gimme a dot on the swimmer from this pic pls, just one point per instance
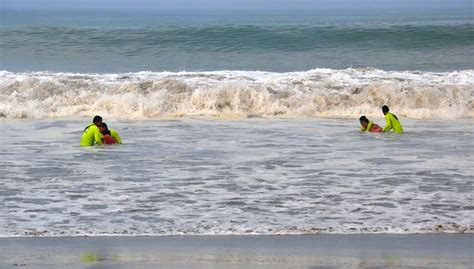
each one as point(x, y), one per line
point(111, 133)
point(107, 138)
point(369, 126)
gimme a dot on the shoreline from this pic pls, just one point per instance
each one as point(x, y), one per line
point(241, 251)
point(128, 235)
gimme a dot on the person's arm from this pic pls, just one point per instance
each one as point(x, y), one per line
point(369, 126)
point(98, 137)
point(116, 136)
point(388, 125)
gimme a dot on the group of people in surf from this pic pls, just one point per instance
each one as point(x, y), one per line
point(97, 133)
point(392, 123)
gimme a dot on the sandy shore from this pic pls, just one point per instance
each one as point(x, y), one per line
point(305, 251)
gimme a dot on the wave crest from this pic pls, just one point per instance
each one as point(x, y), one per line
point(314, 93)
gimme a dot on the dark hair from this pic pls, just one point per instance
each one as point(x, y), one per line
point(97, 119)
point(106, 131)
point(363, 119)
point(385, 109)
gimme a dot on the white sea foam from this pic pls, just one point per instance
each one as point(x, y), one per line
point(251, 176)
point(314, 93)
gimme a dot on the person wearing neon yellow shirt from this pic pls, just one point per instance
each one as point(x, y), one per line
point(392, 121)
point(113, 134)
point(91, 135)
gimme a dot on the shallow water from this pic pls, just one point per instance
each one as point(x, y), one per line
point(252, 176)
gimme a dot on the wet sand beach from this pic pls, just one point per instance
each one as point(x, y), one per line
point(433, 251)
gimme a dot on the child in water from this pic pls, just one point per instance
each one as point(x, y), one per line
point(107, 138)
point(369, 126)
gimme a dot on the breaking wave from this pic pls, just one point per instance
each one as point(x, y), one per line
point(314, 93)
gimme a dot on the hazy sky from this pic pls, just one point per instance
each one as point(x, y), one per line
point(232, 4)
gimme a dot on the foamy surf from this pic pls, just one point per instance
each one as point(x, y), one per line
point(239, 177)
point(228, 94)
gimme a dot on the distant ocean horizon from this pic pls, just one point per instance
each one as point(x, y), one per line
point(203, 40)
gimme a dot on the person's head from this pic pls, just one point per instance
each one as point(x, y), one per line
point(97, 120)
point(364, 121)
point(385, 109)
point(103, 128)
point(106, 132)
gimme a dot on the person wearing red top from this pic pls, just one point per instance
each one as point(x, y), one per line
point(369, 126)
point(107, 138)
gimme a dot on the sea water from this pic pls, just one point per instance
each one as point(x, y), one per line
point(282, 41)
point(252, 176)
point(235, 122)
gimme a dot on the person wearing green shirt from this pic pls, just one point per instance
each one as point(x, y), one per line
point(114, 134)
point(392, 121)
point(91, 135)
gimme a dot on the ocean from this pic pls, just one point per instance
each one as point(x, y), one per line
point(247, 176)
point(236, 122)
point(278, 41)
